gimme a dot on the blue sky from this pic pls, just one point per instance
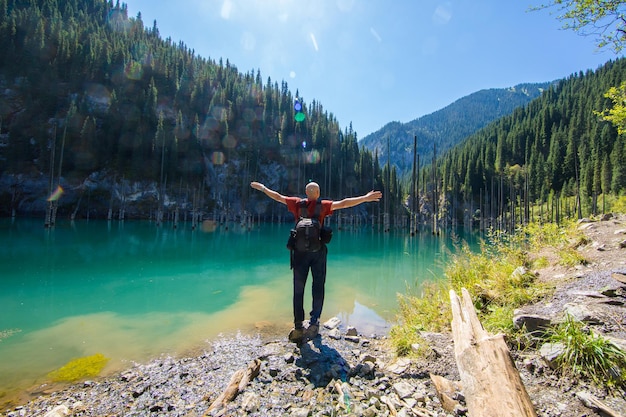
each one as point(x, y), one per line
point(371, 62)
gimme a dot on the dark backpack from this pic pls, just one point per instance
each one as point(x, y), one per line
point(306, 235)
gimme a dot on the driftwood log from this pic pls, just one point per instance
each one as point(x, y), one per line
point(237, 383)
point(491, 384)
point(446, 391)
point(594, 403)
point(618, 276)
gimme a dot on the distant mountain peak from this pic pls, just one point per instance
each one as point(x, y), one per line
point(448, 126)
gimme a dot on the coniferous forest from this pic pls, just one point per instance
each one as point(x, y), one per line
point(98, 104)
point(92, 95)
point(554, 157)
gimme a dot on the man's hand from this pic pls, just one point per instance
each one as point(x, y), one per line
point(370, 197)
point(270, 193)
point(373, 196)
point(257, 185)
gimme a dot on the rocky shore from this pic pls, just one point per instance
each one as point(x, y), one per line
point(337, 373)
point(344, 373)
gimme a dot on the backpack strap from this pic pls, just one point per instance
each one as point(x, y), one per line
point(304, 211)
point(318, 209)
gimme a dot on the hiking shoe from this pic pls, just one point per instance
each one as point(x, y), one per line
point(295, 335)
point(312, 331)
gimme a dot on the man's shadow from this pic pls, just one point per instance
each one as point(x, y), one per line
point(322, 362)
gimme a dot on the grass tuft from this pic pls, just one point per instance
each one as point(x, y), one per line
point(499, 280)
point(498, 276)
point(589, 355)
point(619, 205)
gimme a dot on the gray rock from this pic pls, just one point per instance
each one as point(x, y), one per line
point(533, 323)
point(550, 352)
point(588, 294)
point(366, 370)
point(300, 412)
point(371, 411)
point(250, 402)
point(403, 389)
point(59, 411)
point(399, 366)
point(334, 334)
point(619, 342)
point(420, 395)
point(410, 402)
point(332, 323)
point(582, 313)
point(404, 413)
point(366, 357)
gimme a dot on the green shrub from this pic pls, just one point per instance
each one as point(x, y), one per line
point(429, 311)
point(619, 206)
point(571, 257)
point(403, 338)
point(497, 277)
point(588, 355)
point(499, 320)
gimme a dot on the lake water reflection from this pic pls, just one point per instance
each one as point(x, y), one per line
point(132, 291)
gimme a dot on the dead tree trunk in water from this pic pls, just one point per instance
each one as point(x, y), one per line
point(48, 219)
point(435, 196)
point(415, 205)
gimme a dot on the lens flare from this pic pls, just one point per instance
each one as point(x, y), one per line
point(313, 157)
point(133, 70)
point(229, 142)
point(209, 226)
point(218, 158)
point(56, 194)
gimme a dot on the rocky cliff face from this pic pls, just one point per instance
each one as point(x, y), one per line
point(105, 193)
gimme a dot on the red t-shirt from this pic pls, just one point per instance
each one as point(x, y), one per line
point(293, 205)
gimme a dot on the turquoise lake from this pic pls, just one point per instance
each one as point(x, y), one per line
point(133, 291)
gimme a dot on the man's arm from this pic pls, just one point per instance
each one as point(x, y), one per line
point(355, 201)
point(270, 193)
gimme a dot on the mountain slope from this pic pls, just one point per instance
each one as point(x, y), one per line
point(448, 126)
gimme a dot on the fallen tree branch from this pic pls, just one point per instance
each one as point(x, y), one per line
point(237, 384)
point(592, 402)
point(446, 390)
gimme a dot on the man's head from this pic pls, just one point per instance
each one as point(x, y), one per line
point(312, 191)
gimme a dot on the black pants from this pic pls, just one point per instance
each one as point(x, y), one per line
point(302, 262)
